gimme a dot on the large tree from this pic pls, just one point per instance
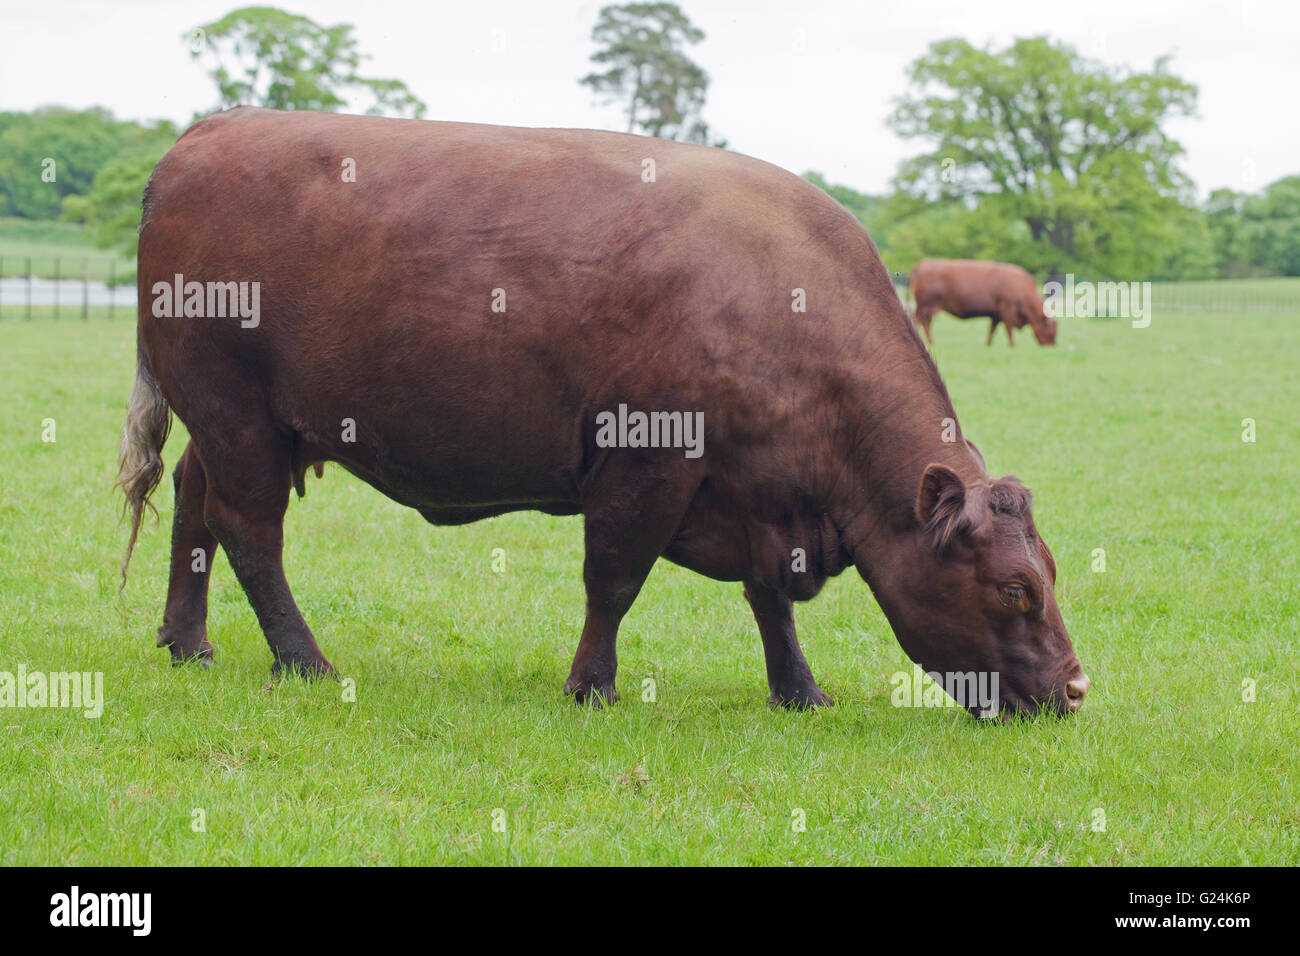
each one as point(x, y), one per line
point(263, 56)
point(1075, 150)
point(259, 56)
point(641, 49)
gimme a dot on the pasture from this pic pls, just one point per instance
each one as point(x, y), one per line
point(459, 747)
point(57, 249)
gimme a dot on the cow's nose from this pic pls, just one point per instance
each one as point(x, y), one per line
point(1076, 690)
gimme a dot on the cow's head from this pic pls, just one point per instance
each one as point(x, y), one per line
point(973, 591)
point(1044, 326)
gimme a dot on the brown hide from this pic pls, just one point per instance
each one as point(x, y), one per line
point(456, 326)
point(972, 288)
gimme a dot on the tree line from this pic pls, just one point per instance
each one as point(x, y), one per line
point(1040, 156)
point(1032, 153)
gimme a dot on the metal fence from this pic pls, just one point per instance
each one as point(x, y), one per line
point(68, 287)
point(1247, 296)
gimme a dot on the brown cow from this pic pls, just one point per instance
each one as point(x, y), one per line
point(971, 288)
point(473, 326)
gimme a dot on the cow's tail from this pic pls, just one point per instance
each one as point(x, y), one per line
point(140, 464)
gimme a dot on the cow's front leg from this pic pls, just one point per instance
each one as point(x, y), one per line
point(993, 327)
point(788, 673)
point(631, 514)
point(595, 665)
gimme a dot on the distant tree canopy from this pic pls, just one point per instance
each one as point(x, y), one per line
point(1257, 234)
point(1233, 235)
point(79, 142)
point(258, 56)
point(110, 205)
point(1036, 155)
point(263, 56)
point(1064, 159)
point(645, 67)
point(111, 210)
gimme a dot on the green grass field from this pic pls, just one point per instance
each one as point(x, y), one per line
point(57, 248)
point(1131, 440)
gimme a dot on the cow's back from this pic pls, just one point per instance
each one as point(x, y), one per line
point(968, 288)
point(478, 293)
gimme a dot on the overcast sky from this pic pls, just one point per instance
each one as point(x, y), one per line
point(805, 84)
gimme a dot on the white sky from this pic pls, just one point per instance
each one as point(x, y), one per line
point(805, 84)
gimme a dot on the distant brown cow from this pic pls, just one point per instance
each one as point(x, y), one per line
point(970, 289)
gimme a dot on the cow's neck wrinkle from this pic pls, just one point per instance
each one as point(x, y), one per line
point(902, 435)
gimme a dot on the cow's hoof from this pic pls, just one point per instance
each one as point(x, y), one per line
point(309, 668)
point(595, 695)
point(805, 698)
point(188, 649)
point(203, 660)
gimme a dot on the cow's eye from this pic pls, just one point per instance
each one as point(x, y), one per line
point(1013, 595)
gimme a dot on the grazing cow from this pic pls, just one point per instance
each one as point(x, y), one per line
point(970, 288)
point(699, 353)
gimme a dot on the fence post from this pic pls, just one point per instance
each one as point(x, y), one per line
point(85, 287)
point(29, 287)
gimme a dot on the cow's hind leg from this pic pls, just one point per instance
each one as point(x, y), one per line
point(184, 631)
point(631, 516)
point(788, 675)
point(248, 493)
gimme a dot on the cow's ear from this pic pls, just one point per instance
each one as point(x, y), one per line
point(941, 506)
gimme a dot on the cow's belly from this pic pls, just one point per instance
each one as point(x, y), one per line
point(451, 486)
point(452, 465)
point(973, 312)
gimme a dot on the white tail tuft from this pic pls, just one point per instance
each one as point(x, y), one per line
point(140, 464)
